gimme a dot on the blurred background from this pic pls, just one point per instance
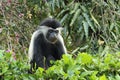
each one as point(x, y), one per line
point(91, 26)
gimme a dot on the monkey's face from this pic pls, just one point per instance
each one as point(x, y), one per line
point(52, 35)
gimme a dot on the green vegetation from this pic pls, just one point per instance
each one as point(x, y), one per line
point(82, 67)
point(91, 26)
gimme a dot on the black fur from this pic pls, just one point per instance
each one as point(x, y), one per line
point(51, 23)
point(42, 48)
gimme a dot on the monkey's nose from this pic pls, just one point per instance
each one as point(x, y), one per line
point(53, 35)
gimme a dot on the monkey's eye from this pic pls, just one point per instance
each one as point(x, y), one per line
point(56, 31)
point(50, 31)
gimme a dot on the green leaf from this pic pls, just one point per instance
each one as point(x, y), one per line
point(76, 7)
point(103, 77)
point(62, 12)
point(53, 5)
point(88, 21)
point(112, 26)
point(108, 58)
point(40, 70)
point(83, 8)
point(76, 15)
point(58, 3)
point(94, 19)
point(64, 18)
point(93, 76)
point(85, 58)
point(4, 69)
point(86, 73)
point(1, 53)
point(85, 25)
point(117, 77)
point(67, 58)
point(113, 34)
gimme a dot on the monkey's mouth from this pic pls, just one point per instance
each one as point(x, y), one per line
point(52, 39)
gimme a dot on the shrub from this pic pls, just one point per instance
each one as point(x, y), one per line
point(82, 67)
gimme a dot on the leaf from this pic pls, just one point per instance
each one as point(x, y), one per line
point(108, 58)
point(74, 51)
point(86, 73)
point(83, 8)
point(94, 19)
point(85, 58)
point(58, 3)
point(84, 47)
point(1, 53)
point(4, 69)
point(112, 26)
point(76, 7)
point(63, 3)
point(103, 77)
point(64, 18)
point(40, 70)
point(106, 50)
point(61, 13)
point(115, 37)
point(53, 5)
point(88, 21)
point(93, 76)
point(117, 77)
point(67, 58)
point(85, 25)
point(76, 15)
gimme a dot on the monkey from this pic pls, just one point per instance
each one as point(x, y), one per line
point(46, 42)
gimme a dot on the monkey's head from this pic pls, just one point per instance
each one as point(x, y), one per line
point(52, 35)
point(51, 29)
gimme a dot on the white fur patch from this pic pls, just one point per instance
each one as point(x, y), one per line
point(63, 45)
point(43, 29)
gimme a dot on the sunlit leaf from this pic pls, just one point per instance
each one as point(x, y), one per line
point(85, 58)
point(117, 77)
point(103, 77)
point(94, 19)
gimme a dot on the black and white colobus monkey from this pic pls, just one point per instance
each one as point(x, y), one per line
point(46, 42)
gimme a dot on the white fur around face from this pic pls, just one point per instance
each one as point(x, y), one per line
point(60, 38)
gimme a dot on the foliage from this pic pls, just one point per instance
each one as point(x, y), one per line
point(82, 67)
point(10, 68)
point(91, 25)
point(18, 20)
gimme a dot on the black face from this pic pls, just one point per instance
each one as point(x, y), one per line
point(52, 35)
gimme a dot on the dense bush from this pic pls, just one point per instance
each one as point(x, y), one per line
point(82, 67)
point(10, 68)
